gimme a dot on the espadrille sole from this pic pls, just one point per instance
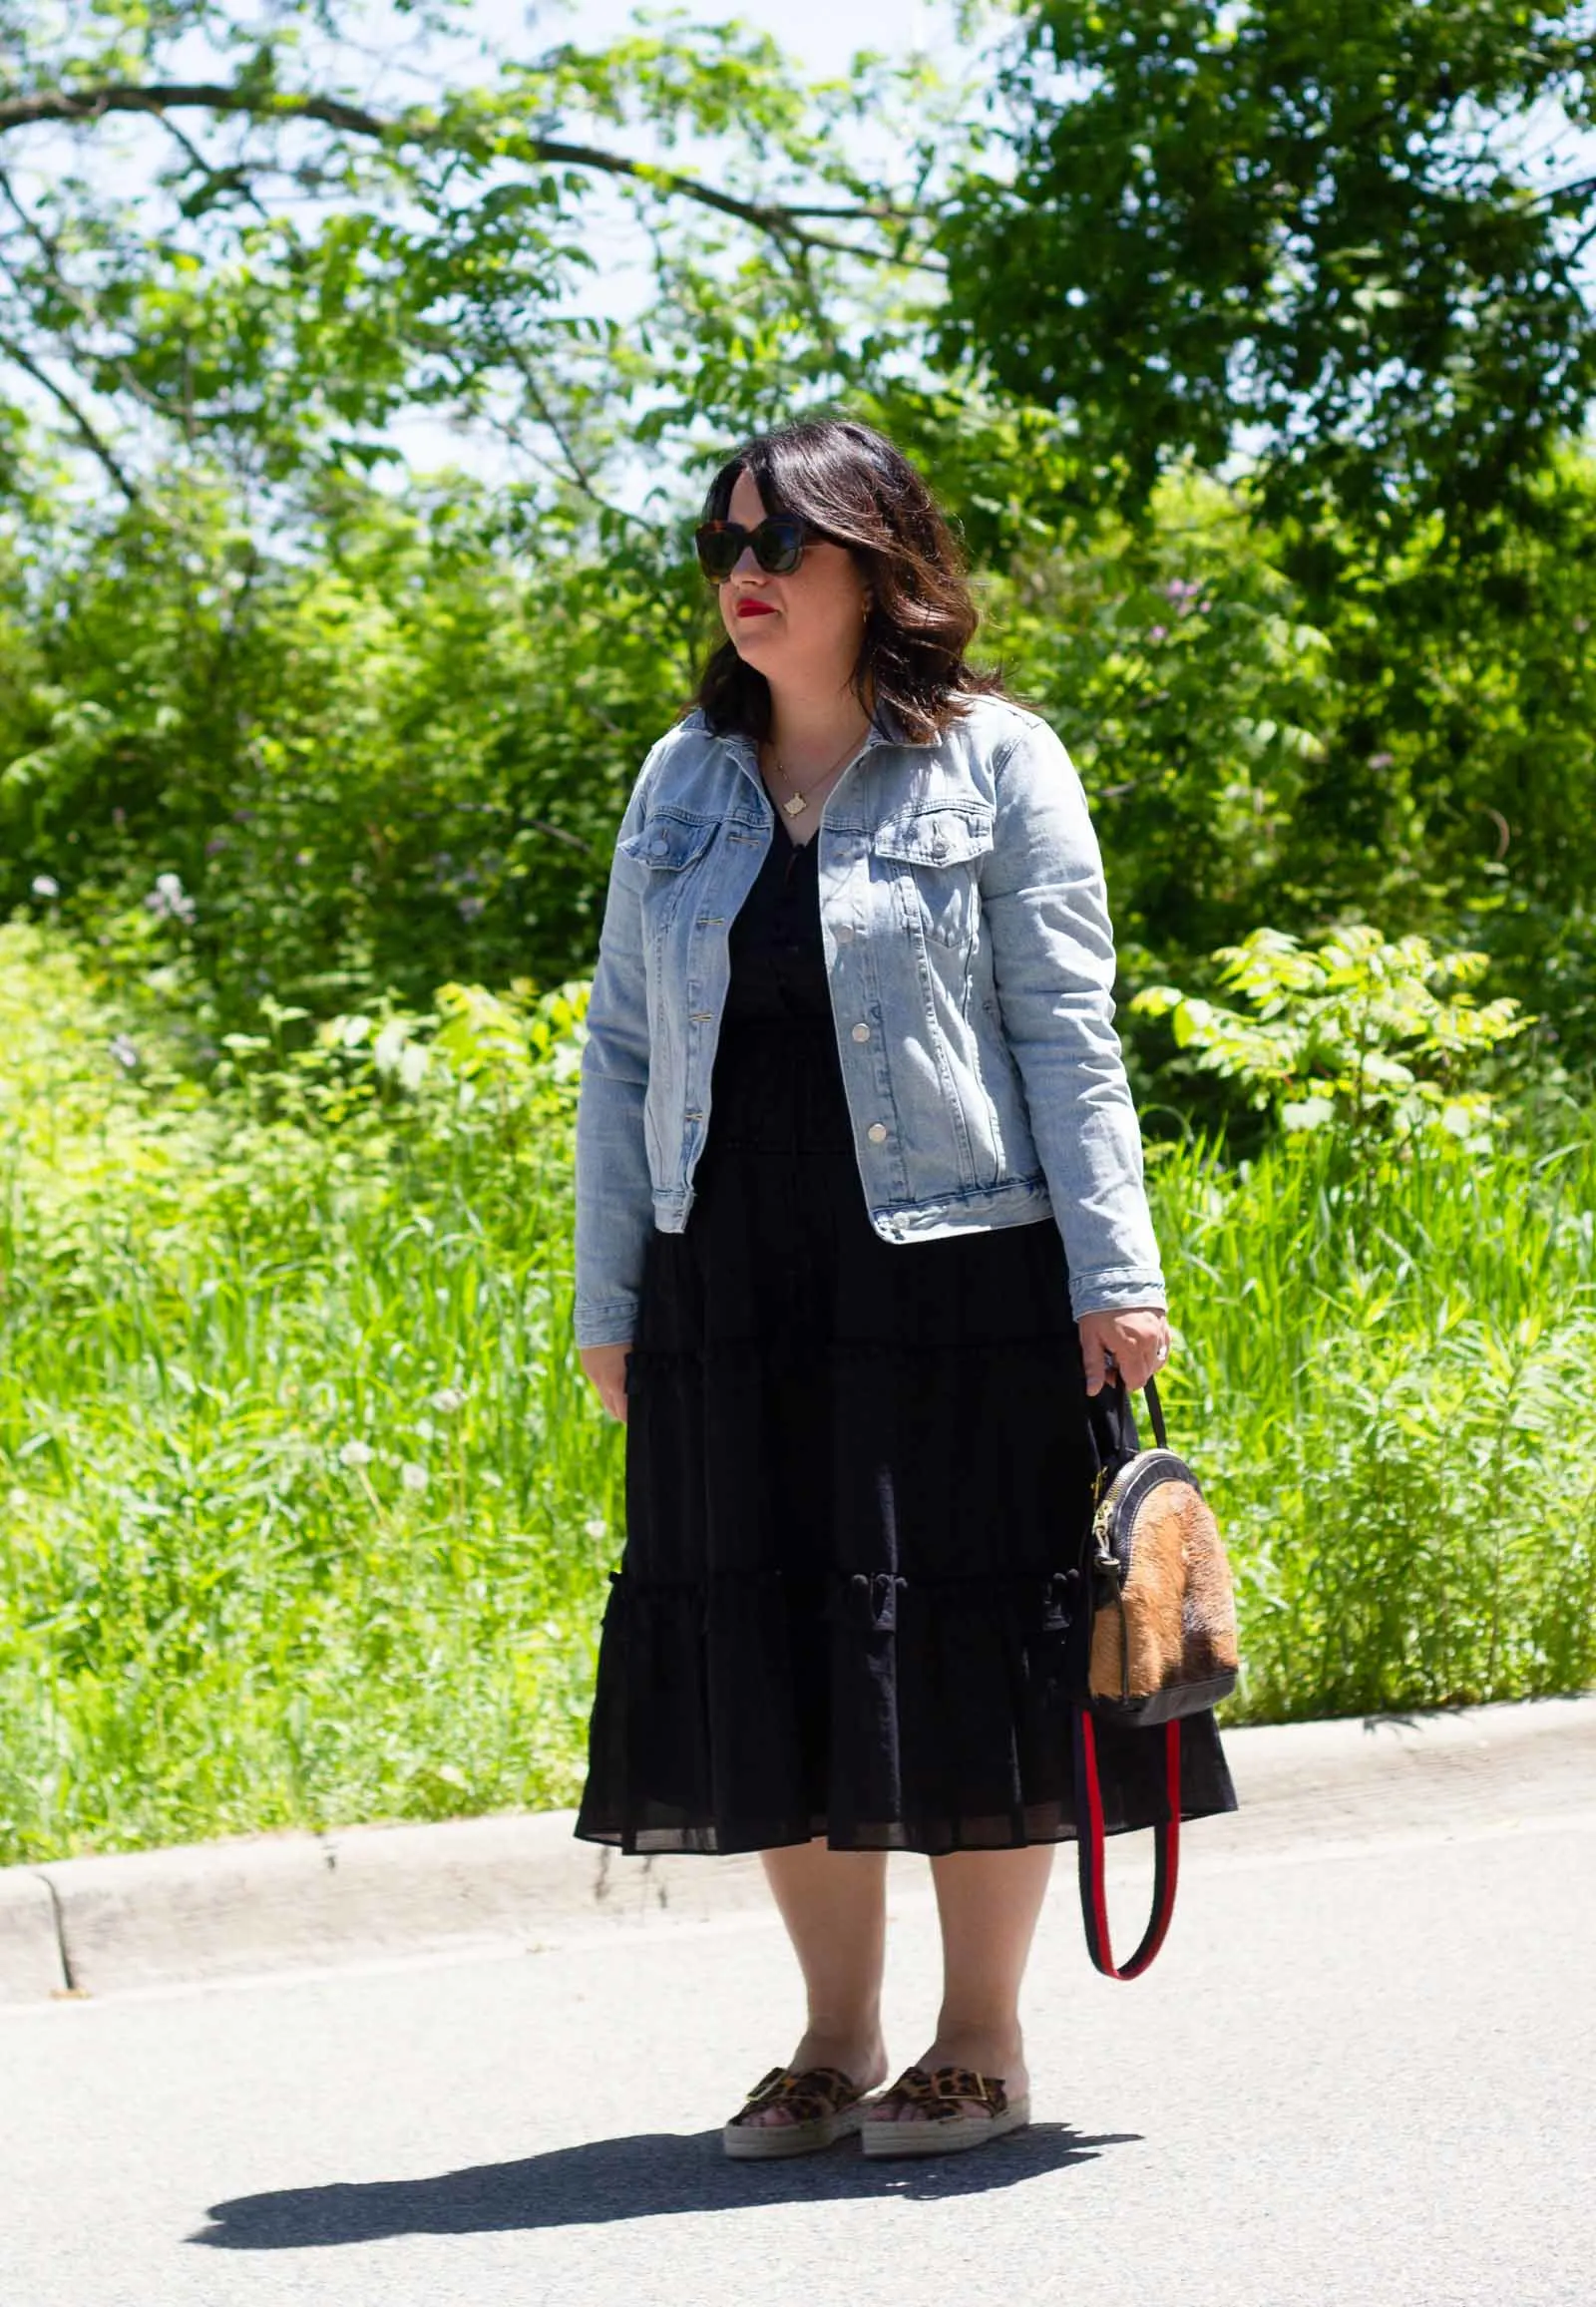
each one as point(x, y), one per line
point(919, 2135)
point(767, 2141)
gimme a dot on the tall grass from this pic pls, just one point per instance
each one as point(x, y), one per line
point(307, 1508)
point(304, 1501)
point(1386, 1380)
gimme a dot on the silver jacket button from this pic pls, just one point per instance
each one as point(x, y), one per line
point(860, 1032)
point(876, 1132)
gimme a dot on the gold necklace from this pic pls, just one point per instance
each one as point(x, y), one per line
point(800, 801)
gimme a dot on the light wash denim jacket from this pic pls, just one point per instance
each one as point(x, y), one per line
point(971, 960)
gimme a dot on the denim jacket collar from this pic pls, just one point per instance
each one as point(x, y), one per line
point(885, 729)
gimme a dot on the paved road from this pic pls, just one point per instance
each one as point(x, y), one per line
point(1360, 2074)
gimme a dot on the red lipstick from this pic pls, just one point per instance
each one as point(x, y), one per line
point(754, 608)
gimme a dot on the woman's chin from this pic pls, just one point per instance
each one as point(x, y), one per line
point(751, 640)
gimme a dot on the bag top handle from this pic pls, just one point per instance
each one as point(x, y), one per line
point(1114, 1424)
point(1156, 1411)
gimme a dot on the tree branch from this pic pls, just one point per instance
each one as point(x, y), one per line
point(197, 158)
point(84, 107)
point(578, 472)
point(50, 250)
point(80, 423)
point(1580, 185)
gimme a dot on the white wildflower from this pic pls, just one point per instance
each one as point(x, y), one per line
point(45, 885)
point(169, 899)
point(355, 1454)
point(598, 1527)
point(448, 1399)
point(412, 1477)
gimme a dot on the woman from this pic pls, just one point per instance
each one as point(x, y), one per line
point(860, 1227)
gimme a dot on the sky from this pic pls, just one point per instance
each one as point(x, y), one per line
point(822, 34)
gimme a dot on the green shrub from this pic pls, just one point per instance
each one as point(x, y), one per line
point(1371, 1039)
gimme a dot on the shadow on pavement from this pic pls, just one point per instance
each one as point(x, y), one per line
point(642, 2177)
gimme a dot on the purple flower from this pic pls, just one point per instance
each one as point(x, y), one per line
point(1381, 760)
point(471, 907)
point(1157, 632)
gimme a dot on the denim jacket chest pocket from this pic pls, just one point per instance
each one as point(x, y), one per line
point(932, 856)
point(669, 840)
point(667, 844)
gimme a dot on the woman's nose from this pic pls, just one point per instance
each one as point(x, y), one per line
point(747, 563)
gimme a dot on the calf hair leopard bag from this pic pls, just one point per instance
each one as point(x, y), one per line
point(1160, 1640)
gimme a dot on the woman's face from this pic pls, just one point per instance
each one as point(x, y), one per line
point(801, 631)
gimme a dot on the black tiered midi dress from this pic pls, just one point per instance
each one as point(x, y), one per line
point(856, 1480)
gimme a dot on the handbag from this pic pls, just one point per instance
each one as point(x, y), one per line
point(1159, 1640)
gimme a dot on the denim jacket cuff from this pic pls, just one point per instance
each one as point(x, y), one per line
point(1118, 1290)
point(607, 1322)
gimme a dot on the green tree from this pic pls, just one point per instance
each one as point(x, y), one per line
point(255, 261)
point(1335, 261)
point(1315, 230)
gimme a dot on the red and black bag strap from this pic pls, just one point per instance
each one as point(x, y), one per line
point(1114, 1431)
point(1089, 1844)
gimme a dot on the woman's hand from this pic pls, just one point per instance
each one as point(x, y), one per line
point(606, 1367)
point(1135, 1343)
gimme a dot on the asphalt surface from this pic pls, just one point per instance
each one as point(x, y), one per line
point(1360, 2074)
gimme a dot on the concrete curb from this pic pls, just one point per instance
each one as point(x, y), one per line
point(259, 1903)
point(30, 1953)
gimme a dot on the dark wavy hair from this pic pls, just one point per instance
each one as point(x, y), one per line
point(850, 482)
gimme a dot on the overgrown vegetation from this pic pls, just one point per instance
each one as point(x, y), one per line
point(308, 1507)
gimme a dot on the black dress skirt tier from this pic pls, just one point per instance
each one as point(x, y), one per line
point(857, 1479)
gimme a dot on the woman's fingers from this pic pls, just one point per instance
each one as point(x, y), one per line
point(1134, 1345)
point(605, 1370)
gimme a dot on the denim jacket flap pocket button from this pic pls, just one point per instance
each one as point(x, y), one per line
point(947, 833)
point(667, 841)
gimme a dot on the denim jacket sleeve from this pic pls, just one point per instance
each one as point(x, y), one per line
point(1046, 907)
point(614, 1195)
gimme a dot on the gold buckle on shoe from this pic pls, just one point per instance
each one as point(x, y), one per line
point(780, 2083)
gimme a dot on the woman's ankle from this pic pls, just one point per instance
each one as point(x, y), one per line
point(855, 2045)
point(989, 2044)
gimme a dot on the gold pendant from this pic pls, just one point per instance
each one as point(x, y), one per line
point(793, 806)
